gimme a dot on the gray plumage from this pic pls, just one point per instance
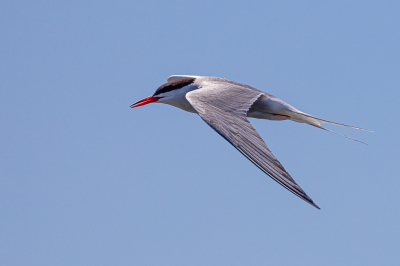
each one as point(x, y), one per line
point(225, 105)
point(224, 110)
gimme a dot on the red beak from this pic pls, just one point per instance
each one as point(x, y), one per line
point(145, 101)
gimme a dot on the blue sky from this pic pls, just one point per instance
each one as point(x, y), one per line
point(85, 180)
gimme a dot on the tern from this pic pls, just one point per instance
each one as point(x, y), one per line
point(225, 105)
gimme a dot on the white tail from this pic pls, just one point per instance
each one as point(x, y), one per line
point(317, 122)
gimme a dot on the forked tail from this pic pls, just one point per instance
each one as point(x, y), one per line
point(317, 122)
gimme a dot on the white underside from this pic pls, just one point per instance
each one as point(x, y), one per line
point(266, 107)
point(272, 108)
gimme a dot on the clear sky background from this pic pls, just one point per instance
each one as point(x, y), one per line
point(85, 180)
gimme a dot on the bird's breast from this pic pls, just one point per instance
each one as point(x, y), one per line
point(181, 103)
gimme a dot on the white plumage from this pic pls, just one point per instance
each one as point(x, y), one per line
point(225, 105)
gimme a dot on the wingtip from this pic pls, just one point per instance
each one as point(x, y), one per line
point(309, 201)
point(316, 206)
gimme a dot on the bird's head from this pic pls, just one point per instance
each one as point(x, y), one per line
point(168, 93)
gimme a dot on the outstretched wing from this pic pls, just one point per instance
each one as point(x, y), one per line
point(175, 77)
point(223, 106)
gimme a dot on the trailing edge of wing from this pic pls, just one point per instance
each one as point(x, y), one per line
point(225, 110)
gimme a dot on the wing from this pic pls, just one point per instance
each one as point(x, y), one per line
point(223, 107)
point(174, 77)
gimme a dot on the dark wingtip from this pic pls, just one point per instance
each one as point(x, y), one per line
point(315, 205)
point(310, 201)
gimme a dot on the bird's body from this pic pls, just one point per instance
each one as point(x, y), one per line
point(224, 105)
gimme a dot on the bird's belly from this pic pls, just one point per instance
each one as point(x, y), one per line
point(269, 116)
point(267, 108)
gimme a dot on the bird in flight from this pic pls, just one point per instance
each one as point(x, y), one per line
point(225, 105)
